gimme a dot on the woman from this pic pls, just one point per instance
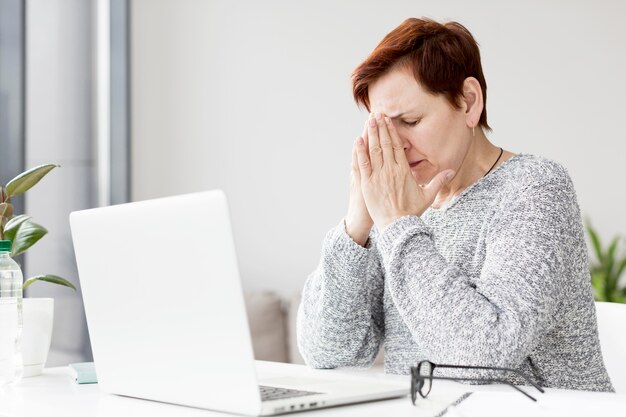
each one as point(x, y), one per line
point(453, 249)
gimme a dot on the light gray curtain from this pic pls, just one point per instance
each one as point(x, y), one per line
point(12, 92)
point(61, 111)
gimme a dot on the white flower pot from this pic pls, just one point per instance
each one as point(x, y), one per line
point(38, 314)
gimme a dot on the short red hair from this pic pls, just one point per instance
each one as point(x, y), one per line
point(441, 57)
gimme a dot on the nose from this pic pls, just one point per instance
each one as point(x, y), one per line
point(405, 143)
point(403, 137)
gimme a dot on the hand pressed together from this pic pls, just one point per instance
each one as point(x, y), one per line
point(388, 187)
point(358, 221)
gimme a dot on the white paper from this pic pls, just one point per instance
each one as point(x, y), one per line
point(551, 403)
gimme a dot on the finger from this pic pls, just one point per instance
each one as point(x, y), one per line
point(385, 140)
point(398, 147)
point(434, 186)
point(365, 167)
point(355, 163)
point(364, 134)
point(375, 151)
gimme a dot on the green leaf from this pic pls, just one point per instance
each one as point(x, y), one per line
point(620, 269)
point(597, 282)
point(27, 179)
point(49, 278)
point(595, 241)
point(12, 226)
point(27, 235)
point(610, 253)
point(609, 263)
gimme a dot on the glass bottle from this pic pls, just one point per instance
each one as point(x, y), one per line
point(11, 280)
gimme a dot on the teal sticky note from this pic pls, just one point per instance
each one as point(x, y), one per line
point(84, 372)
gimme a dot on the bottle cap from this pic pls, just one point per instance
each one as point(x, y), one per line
point(5, 246)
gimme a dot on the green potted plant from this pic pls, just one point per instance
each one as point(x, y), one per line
point(37, 313)
point(607, 268)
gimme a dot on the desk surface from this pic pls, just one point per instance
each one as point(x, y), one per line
point(54, 393)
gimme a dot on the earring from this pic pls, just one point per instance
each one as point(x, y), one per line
point(473, 132)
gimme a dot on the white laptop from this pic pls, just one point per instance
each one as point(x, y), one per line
point(166, 314)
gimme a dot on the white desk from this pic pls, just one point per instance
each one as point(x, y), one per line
point(55, 394)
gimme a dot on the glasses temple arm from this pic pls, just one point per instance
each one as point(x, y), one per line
point(501, 381)
point(493, 368)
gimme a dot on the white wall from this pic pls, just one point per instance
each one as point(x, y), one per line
point(255, 98)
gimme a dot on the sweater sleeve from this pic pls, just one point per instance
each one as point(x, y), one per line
point(340, 318)
point(498, 318)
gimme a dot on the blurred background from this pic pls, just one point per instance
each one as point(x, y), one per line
point(138, 99)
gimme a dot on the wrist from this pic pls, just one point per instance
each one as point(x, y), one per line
point(358, 234)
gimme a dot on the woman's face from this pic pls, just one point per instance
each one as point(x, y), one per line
point(435, 134)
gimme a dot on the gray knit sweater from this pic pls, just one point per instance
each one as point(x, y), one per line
point(498, 277)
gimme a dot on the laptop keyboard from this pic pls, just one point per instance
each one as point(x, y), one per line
point(275, 393)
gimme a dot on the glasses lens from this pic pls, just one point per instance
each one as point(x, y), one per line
point(425, 370)
point(413, 386)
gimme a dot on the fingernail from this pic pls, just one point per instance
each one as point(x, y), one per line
point(372, 122)
point(449, 175)
point(387, 120)
point(378, 116)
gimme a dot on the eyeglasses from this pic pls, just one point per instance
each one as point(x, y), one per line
point(422, 377)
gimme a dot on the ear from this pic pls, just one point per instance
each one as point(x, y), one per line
point(472, 101)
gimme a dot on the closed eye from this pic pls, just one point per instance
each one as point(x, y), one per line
point(410, 124)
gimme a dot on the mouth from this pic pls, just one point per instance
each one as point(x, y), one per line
point(415, 163)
